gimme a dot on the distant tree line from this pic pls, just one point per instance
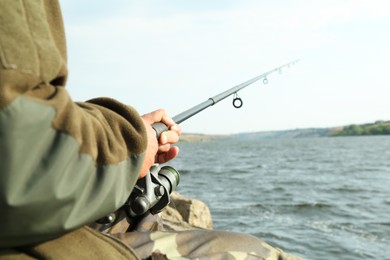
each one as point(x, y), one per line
point(377, 128)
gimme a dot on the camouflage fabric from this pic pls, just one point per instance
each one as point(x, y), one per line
point(150, 241)
point(201, 244)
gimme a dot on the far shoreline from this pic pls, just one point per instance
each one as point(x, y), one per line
point(201, 137)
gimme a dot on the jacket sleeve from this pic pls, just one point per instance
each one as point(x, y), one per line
point(62, 164)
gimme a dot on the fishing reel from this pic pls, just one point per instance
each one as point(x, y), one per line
point(152, 193)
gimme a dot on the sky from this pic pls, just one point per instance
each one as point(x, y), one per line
point(176, 54)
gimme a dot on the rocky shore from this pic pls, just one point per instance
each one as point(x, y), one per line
point(184, 213)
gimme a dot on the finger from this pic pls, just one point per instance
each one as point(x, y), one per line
point(168, 137)
point(164, 148)
point(176, 128)
point(159, 115)
point(167, 120)
point(165, 157)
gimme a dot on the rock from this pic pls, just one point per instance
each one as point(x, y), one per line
point(185, 213)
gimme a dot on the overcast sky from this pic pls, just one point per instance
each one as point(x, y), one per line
point(175, 54)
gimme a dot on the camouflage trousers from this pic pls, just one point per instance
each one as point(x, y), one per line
point(200, 244)
point(149, 242)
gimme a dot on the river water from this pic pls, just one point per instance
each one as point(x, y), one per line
point(319, 198)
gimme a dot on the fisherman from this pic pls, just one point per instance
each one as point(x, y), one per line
point(64, 164)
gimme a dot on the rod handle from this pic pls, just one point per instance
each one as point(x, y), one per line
point(159, 128)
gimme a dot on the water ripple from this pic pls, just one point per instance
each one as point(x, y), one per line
point(321, 198)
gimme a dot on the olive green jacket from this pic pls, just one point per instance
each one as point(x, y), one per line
point(62, 164)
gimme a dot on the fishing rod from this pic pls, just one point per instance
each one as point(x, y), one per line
point(237, 101)
point(151, 194)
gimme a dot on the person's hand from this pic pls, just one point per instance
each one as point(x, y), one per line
point(160, 151)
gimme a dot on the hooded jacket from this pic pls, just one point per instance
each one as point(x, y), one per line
point(62, 164)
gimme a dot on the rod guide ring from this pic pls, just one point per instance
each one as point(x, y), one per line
point(237, 101)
